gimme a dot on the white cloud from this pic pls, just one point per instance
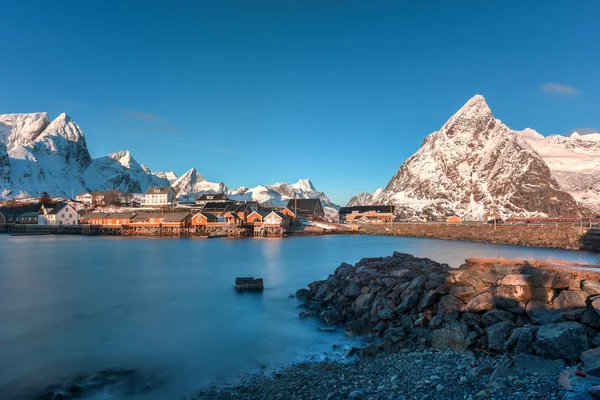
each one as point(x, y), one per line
point(558, 89)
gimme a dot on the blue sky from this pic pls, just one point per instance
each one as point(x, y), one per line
point(254, 92)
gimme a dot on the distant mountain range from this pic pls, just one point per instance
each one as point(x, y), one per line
point(38, 155)
point(472, 164)
point(475, 163)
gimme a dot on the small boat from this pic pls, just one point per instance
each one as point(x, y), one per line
point(249, 284)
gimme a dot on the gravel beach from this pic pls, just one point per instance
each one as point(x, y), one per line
point(420, 374)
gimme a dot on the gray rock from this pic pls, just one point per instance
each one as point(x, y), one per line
point(332, 317)
point(563, 340)
point(356, 327)
point(386, 314)
point(540, 313)
point(417, 284)
point(525, 341)
point(485, 301)
point(495, 316)
point(591, 318)
point(409, 302)
point(524, 293)
point(533, 364)
point(363, 300)
point(427, 300)
point(302, 294)
point(352, 291)
point(394, 334)
point(591, 287)
point(343, 270)
point(570, 299)
point(453, 337)
point(356, 394)
point(591, 360)
point(462, 292)
point(371, 349)
point(497, 335)
point(577, 384)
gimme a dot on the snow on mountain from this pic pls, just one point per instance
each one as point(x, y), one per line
point(122, 172)
point(473, 162)
point(278, 194)
point(169, 176)
point(51, 160)
point(22, 129)
point(364, 198)
point(574, 162)
point(192, 184)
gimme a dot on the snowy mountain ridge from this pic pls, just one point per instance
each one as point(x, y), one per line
point(38, 155)
point(474, 163)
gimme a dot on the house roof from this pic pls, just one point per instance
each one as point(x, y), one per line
point(84, 194)
point(120, 215)
point(29, 214)
point(218, 206)
point(145, 216)
point(215, 196)
point(176, 217)
point(207, 215)
point(364, 209)
point(261, 213)
point(279, 214)
point(94, 215)
point(54, 208)
point(159, 190)
point(13, 212)
point(304, 205)
point(233, 214)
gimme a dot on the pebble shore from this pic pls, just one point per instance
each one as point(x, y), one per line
point(420, 374)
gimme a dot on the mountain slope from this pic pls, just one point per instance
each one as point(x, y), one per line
point(473, 162)
point(192, 184)
point(122, 172)
point(574, 162)
point(364, 198)
point(278, 194)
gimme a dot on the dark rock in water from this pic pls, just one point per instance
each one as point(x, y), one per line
point(302, 294)
point(249, 284)
point(124, 382)
point(332, 317)
point(566, 340)
point(326, 328)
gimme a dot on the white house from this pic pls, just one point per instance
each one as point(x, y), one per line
point(276, 218)
point(85, 198)
point(159, 196)
point(57, 214)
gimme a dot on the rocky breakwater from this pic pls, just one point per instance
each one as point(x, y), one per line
point(523, 309)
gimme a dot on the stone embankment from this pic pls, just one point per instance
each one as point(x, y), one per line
point(534, 311)
point(563, 237)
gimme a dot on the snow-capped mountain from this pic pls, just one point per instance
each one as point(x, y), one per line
point(574, 162)
point(169, 176)
point(122, 172)
point(473, 163)
point(278, 194)
point(364, 198)
point(192, 184)
point(43, 155)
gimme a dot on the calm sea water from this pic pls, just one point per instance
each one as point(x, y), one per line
point(167, 307)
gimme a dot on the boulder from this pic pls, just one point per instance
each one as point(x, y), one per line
point(563, 340)
point(575, 384)
point(495, 316)
point(591, 287)
point(427, 300)
point(525, 340)
point(570, 299)
point(552, 280)
point(591, 360)
point(343, 270)
point(314, 286)
point(453, 337)
point(524, 293)
point(481, 302)
point(540, 313)
point(332, 317)
point(356, 327)
point(394, 334)
point(417, 284)
point(352, 291)
point(462, 292)
point(386, 314)
point(530, 364)
point(371, 349)
point(516, 280)
point(409, 302)
point(363, 300)
point(497, 335)
point(302, 294)
point(591, 318)
point(435, 279)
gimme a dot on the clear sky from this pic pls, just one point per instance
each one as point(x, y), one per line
point(255, 92)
